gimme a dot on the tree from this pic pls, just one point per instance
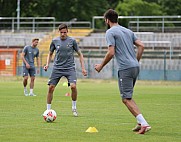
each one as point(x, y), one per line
point(171, 7)
point(65, 10)
point(113, 3)
point(8, 8)
point(138, 8)
point(82, 10)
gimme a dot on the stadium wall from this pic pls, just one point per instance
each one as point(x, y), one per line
point(150, 69)
point(155, 69)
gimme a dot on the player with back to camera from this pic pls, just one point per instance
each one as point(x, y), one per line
point(121, 41)
point(28, 55)
point(64, 65)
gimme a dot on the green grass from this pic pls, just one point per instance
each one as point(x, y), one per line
point(99, 105)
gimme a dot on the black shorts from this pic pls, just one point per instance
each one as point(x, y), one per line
point(126, 81)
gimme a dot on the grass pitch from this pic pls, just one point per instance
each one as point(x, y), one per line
point(99, 105)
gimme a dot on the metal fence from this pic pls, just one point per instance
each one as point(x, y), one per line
point(37, 24)
point(155, 69)
point(145, 23)
point(163, 67)
point(32, 24)
point(135, 23)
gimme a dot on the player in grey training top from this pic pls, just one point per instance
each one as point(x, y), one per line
point(64, 58)
point(28, 55)
point(125, 56)
point(121, 43)
point(64, 65)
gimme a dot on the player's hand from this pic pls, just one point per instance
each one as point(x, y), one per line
point(45, 67)
point(27, 66)
point(98, 67)
point(38, 70)
point(84, 72)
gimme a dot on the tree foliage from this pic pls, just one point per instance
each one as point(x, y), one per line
point(65, 10)
point(138, 8)
point(171, 7)
point(8, 8)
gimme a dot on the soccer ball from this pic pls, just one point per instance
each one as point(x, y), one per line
point(49, 115)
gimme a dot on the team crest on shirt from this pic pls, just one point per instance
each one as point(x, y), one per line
point(68, 45)
point(34, 52)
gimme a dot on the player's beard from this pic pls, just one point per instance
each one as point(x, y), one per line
point(63, 37)
point(108, 26)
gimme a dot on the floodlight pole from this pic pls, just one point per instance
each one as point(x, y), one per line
point(18, 15)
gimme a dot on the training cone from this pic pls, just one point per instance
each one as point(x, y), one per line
point(67, 94)
point(65, 84)
point(91, 130)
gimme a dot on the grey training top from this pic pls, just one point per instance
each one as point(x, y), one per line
point(30, 54)
point(123, 41)
point(64, 57)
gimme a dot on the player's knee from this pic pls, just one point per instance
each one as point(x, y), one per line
point(26, 78)
point(73, 86)
point(126, 100)
point(51, 88)
point(32, 79)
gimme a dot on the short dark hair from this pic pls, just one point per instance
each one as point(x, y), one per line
point(35, 39)
point(111, 15)
point(62, 26)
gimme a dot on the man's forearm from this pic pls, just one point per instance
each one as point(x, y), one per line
point(106, 59)
point(48, 59)
point(139, 52)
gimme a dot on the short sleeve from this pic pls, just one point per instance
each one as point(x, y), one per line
point(134, 37)
point(75, 46)
point(110, 38)
point(25, 50)
point(52, 47)
point(38, 52)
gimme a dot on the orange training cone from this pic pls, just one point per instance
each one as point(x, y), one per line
point(67, 94)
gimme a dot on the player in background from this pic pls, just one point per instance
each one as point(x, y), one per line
point(64, 65)
point(28, 55)
point(121, 42)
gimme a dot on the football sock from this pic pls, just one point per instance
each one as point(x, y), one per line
point(25, 89)
point(141, 120)
point(138, 122)
point(48, 106)
point(73, 104)
point(31, 90)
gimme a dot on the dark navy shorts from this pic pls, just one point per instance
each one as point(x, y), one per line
point(57, 74)
point(31, 71)
point(126, 81)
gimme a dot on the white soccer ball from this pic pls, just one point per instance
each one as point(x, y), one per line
point(49, 115)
